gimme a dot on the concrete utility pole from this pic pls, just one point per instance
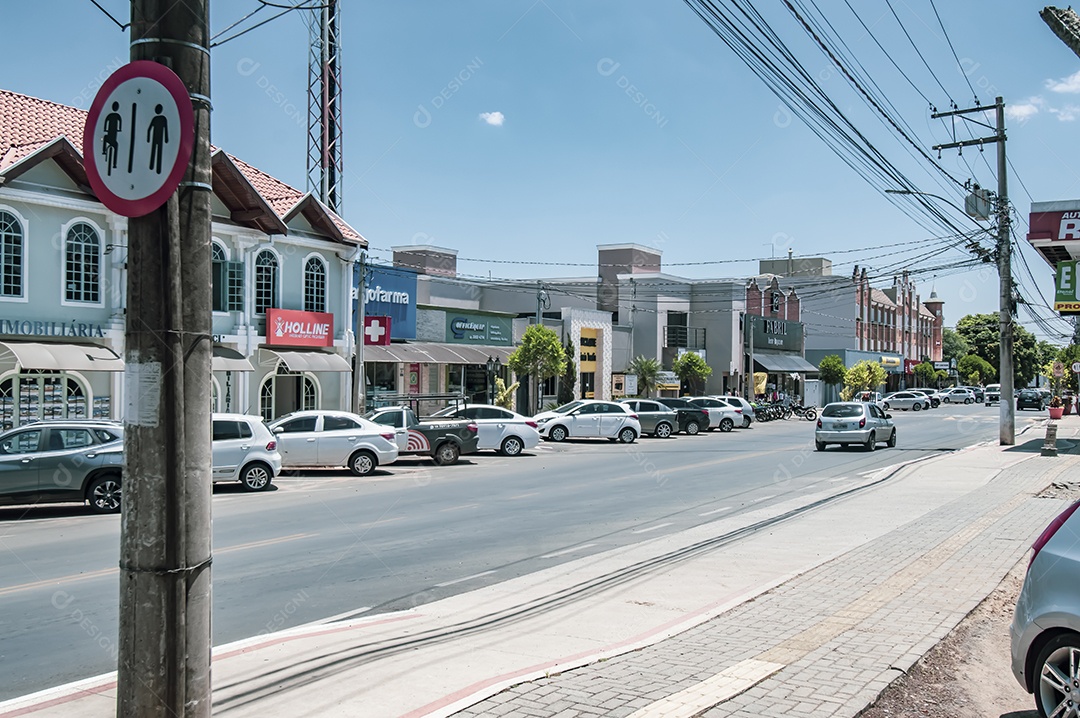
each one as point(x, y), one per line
point(750, 393)
point(165, 543)
point(359, 382)
point(542, 303)
point(1065, 24)
point(1007, 424)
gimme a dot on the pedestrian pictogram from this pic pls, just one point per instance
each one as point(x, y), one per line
point(138, 138)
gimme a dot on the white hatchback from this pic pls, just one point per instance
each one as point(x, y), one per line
point(244, 450)
point(499, 429)
point(589, 418)
point(330, 439)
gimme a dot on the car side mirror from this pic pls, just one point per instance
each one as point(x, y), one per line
point(888, 416)
point(279, 429)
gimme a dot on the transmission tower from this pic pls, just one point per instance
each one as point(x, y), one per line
point(324, 105)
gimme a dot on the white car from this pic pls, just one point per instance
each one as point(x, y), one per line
point(589, 418)
point(499, 429)
point(722, 415)
point(738, 402)
point(957, 395)
point(913, 400)
point(329, 439)
point(244, 450)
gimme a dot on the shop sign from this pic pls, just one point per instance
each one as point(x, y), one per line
point(1067, 294)
point(288, 327)
point(941, 366)
point(474, 328)
point(587, 355)
point(377, 331)
point(30, 328)
point(777, 334)
point(667, 381)
point(391, 292)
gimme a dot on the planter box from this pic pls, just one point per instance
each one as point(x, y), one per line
point(1056, 412)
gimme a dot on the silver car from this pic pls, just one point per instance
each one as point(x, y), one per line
point(655, 418)
point(905, 400)
point(1045, 629)
point(244, 450)
point(854, 422)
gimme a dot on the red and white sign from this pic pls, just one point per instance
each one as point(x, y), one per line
point(288, 327)
point(138, 137)
point(377, 331)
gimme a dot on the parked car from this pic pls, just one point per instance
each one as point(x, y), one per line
point(1030, 399)
point(443, 439)
point(977, 391)
point(854, 422)
point(655, 418)
point(931, 394)
point(589, 418)
point(330, 439)
point(63, 461)
point(692, 418)
point(722, 415)
point(957, 395)
point(906, 400)
point(499, 429)
point(244, 450)
point(1045, 630)
point(748, 415)
point(992, 394)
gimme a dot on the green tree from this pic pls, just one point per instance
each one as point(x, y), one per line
point(569, 374)
point(540, 355)
point(925, 374)
point(647, 370)
point(953, 346)
point(864, 376)
point(832, 370)
point(692, 369)
point(1068, 356)
point(981, 332)
point(973, 369)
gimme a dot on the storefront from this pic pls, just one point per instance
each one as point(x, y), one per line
point(775, 346)
point(296, 373)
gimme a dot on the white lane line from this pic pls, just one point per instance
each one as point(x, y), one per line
point(459, 508)
point(651, 528)
point(764, 498)
point(715, 511)
point(568, 550)
point(460, 580)
point(719, 688)
point(338, 616)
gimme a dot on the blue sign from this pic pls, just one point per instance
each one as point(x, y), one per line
point(390, 292)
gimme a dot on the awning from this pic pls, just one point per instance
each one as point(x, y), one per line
point(226, 359)
point(436, 353)
point(306, 361)
point(784, 363)
point(61, 357)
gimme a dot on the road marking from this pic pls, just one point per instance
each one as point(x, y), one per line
point(265, 542)
point(764, 498)
point(651, 528)
point(715, 511)
point(456, 508)
point(568, 550)
point(386, 521)
point(524, 496)
point(724, 685)
point(461, 580)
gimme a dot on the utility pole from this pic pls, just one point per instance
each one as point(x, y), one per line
point(750, 393)
point(163, 667)
point(359, 382)
point(542, 303)
point(1007, 427)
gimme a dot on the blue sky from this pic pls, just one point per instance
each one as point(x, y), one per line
point(532, 130)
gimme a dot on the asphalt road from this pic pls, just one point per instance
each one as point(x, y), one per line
point(327, 545)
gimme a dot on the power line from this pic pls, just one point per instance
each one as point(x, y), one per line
point(956, 57)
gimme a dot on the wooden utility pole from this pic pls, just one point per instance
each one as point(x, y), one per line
point(164, 646)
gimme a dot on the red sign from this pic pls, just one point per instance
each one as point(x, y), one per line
point(1059, 225)
point(909, 366)
point(138, 138)
point(287, 327)
point(377, 331)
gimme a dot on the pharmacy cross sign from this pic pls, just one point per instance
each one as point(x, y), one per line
point(138, 138)
point(377, 331)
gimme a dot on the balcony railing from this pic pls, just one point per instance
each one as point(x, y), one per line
point(684, 337)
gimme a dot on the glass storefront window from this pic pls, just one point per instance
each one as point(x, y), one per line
point(35, 395)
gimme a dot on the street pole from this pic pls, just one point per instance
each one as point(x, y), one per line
point(359, 382)
point(750, 394)
point(542, 303)
point(163, 663)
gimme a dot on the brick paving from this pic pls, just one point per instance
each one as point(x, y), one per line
point(841, 632)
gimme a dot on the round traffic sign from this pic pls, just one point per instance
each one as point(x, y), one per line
point(138, 138)
point(1076, 367)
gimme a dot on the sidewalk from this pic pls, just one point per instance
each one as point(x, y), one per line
point(753, 622)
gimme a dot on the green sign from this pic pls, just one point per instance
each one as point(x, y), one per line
point(776, 334)
point(1067, 299)
point(475, 328)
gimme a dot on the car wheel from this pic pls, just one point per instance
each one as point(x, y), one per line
point(726, 425)
point(871, 442)
point(692, 428)
point(916, 406)
point(1058, 669)
point(819, 445)
point(969, 401)
point(362, 463)
point(104, 493)
point(892, 440)
point(511, 446)
point(945, 400)
point(663, 430)
point(746, 422)
point(557, 433)
point(885, 406)
point(627, 435)
point(256, 477)
point(446, 453)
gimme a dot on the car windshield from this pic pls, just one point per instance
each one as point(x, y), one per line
point(569, 407)
point(840, 410)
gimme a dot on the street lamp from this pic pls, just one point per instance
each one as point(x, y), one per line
point(494, 366)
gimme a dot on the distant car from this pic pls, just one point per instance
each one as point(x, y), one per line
point(722, 415)
point(1030, 399)
point(244, 450)
point(588, 418)
point(61, 461)
point(655, 418)
point(330, 439)
point(977, 391)
point(1045, 630)
point(905, 400)
point(931, 394)
point(445, 440)
point(854, 422)
point(748, 414)
point(957, 395)
point(499, 429)
point(992, 394)
point(692, 418)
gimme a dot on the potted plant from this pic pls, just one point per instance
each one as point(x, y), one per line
point(1056, 407)
point(1068, 399)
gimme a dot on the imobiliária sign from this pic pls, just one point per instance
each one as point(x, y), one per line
point(288, 327)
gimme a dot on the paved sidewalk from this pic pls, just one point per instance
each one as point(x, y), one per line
point(722, 619)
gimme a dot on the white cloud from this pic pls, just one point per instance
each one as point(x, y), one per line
point(1070, 84)
point(1024, 110)
point(1068, 113)
point(493, 118)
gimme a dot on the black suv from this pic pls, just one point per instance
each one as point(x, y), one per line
point(60, 461)
point(692, 418)
point(1030, 399)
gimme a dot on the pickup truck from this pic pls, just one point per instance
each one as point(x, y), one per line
point(993, 394)
point(444, 440)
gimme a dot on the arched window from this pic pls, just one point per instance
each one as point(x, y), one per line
point(314, 285)
point(82, 264)
point(266, 281)
point(228, 281)
point(11, 255)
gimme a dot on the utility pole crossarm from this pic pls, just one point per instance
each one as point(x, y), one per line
point(969, 143)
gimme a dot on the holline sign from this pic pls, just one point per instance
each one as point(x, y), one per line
point(287, 327)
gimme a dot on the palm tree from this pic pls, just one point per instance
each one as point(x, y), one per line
point(647, 370)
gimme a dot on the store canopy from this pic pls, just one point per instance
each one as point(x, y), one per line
point(61, 357)
point(226, 359)
point(307, 361)
point(436, 353)
point(784, 363)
